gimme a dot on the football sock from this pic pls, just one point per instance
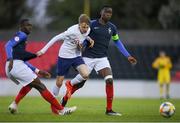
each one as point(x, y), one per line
point(24, 90)
point(161, 90)
point(167, 90)
point(74, 88)
point(54, 110)
point(51, 99)
point(77, 79)
point(109, 95)
point(55, 90)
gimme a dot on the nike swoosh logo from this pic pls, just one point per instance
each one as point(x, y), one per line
point(96, 27)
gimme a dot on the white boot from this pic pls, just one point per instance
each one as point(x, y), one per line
point(13, 108)
point(67, 110)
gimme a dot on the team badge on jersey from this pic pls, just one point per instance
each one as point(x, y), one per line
point(109, 30)
point(16, 38)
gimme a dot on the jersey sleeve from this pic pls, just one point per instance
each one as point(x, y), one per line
point(169, 63)
point(59, 37)
point(115, 35)
point(13, 42)
point(118, 43)
point(155, 64)
point(52, 41)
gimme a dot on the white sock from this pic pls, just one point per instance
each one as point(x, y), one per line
point(77, 79)
point(55, 90)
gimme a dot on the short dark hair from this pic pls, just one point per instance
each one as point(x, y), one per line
point(22, 21)
point(106, 6)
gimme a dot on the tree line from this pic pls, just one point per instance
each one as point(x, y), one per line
point(127, 14)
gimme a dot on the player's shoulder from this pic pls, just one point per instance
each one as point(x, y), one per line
point(112, 25)
point(93, 22)
point(19, 36)
point(73, 28)
point(168, 58)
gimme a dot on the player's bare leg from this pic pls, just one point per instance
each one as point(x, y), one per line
point(84, 72)
point(107, 75)
point(55, 106)
point(83, 76)
point(167, 91)
point(51, 99)
point(57, 86)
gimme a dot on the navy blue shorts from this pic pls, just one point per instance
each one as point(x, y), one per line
point(64, 64)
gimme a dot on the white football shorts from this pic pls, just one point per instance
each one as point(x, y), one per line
point(96, 63)
point(20, 73)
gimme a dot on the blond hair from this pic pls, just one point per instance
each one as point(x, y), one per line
point(83, 18)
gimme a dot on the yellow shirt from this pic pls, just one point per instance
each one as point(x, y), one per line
point(163, 65)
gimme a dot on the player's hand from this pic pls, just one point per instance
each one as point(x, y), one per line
point(132, 60)
point(44, 74)
point(10, 65)
point(39, 53)
point(80, 46)
point(91, 41)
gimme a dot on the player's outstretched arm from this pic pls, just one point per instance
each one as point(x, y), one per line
point(123, 50)
point(50, 43)
point(40, 72)
point(44, 74)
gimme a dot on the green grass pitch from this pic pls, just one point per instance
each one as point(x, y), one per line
point(89, 110)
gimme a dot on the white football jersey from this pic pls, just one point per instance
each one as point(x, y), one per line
point(71, 37)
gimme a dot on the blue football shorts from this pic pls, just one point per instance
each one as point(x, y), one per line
point(64, 64)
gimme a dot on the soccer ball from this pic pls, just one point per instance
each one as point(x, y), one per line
point(167, 109)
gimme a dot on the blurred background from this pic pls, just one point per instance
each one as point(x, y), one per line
point(145, 28)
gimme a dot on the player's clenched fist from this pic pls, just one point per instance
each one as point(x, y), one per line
point(44, 74)
point(91, 41)
point(39, 53)
point(132, 60)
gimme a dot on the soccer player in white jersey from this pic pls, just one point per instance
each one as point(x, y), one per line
point(70, 51)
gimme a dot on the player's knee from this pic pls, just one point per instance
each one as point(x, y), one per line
point(42, 86)
point(59, 83)
point(39, 86)
point(109, 79)
point(85, 75)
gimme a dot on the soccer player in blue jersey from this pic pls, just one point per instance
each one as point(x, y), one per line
point(22, 72)
point(102, 31)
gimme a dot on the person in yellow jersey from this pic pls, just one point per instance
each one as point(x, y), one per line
point(163, 65)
